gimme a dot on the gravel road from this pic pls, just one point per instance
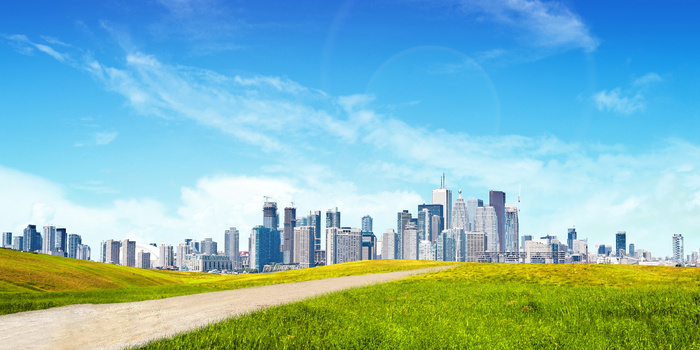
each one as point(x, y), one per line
point(116, 326)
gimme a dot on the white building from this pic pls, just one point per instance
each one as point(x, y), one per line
point(547, 251)
point(127, 253)
point(231, 246)
point(474, 246)
point(389, 244)
point(304, 240)
point(83, 252)
point(166, 256)
point(443, 196)
point(182, 250)
point(425, 248)
point(343, 245)
point(512, 229)
point(678, 248)
point(143, 260)
point(410, 242)
point(460, 217)
point(207, 262)
point(487, 222)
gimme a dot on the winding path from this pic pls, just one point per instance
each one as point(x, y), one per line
point(116, 326)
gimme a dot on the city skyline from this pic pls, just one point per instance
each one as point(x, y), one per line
point(140, 121)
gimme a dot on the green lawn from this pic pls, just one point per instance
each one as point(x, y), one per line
point(36, 281)
point(485, 306)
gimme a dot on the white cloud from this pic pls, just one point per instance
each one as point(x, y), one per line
point(105, 138)
point(627, 101)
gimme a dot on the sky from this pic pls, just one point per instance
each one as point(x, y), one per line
point(171, 119)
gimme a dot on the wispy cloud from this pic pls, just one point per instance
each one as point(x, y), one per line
point(105, 138)
point(627, 101)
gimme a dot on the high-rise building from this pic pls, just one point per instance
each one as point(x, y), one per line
point(304, 253)
point(231, 246)
point(474, 246)
point(403, 218)
point(83, 252)
point(620, 243)
point(315, 221)
point(270, 217)
point(446, 247)
point(7, 239)
point(369, 246)
point(460, 217)
point(512, 229)
point(497, 199)
point(18, 243)
point(631, 250)
point(264, 247)
point(127, 255)
point(570, 237)
point(73, 242)
point(443, 196)
point(61, 241)
point(49, 239)
point(472, 204)
point(367, 223)
point(433, 226)
point(389, 244)
point(183, 249)
point(410, 242)
point(110, 252)
point(425, 250)
point(208, 246)
point(32, 239)
point(524, 239)
point(166, 255)
point(290, 222)
point(143, 260)
point(678, 249)
point(487, 222)
point(544, 251)
point(343, 245)
point(332, 218)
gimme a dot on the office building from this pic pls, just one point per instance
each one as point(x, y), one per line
point(110, 251)
point(209, 247)
point(403, 218)
point(83, 252)
point(32, 239)
point(127, 255)
point(315, 221)
point(425, 250)
point(620, 243)
point(49, 239)
point(544, 251)
point(497, 200)
point(369, 245)
point(631, 250)
point(570, 237)
point(270, 217)
point(487, 222)
point(410, 242)
point(472, 204)
point(443, 196)
point(183, 249)
point(320, 258)
point(143, 260)
point(367, 224)
point(18, 243)
point(332, 218)
point(389, 244)
point(446, 247)
point(290, 222)
point(7, 239)
point(579, 246)
point(208, 262)
point(474, 246)
point(460, 217)
point(678, 249)
point(512, 229)
point(343, 245)
point(434, 222)
point(167, 258)
point(264, 247)
point(61, 241)
point(73, 242)
point(304, 254)
point(231, 246)
point(523, 239)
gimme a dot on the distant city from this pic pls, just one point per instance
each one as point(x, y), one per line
point(463, 231)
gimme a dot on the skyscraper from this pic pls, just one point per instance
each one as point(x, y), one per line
point(678, 249)
point(369, 245)
point(290, 222)
point(315, 221)
point(208, 246)
point(443, 196)
point(332, 218)
point(270, 216)
point(73, 242)
point(472, 204)
point(570, 237)
point(497, 199)
point(143, 260)
point(49, 239)
point(127, 255)
point(7, 239)
point(343, 245)
point(166, 255)
point(183, 249)
point(487, 222)
point(110, 252)
point(512, 229)
point(61, 241)
point(18, 243)
point(264, 247)
point(631, 251)
point(304, 253)
point(433, 226)
point(83, 252)
point(367, 223)
point(389, 244)
point(460, 218)
point(32, 239)
point(402, 219)
point(620, 243)
point(231, 246)
point(410, 242)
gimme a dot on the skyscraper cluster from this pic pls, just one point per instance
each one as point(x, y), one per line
point(53, 241)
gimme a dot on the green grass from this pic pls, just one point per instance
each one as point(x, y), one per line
point(36, 281)
point(486, 306)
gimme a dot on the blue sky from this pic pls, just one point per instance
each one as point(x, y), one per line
point(162, 120)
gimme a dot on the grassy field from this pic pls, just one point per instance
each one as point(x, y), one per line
point(36, 281)
point(494, 306)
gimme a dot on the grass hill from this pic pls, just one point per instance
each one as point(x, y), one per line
point(31, 281)
point(482, 306)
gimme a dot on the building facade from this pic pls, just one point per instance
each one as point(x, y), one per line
point(343, 245)
point(231, 246)
point(304, 253)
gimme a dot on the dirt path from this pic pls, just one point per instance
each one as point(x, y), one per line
point(116, 326)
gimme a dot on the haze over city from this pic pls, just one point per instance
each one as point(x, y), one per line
point(167, 120)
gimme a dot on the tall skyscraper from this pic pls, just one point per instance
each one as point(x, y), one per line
point(474, 246)
point(83, 252)
point(127, 255)
point(443, 196)
point(231, 246)
point(315, 221)
point(424, 225)
point(570, 237)
point(497, 199)
point(487, 222)
point(32, 239)
point(18, 243)
point(402, 219)
point(343, 245)
point(389, 244)
point(110, 252)
point(7, 239)
point(49, 239)
point(143, 260)
point(166, 255)
point(512, 229)
point(270, 217)
point(290, 222)
point(183, 249)
point(433, 226)
point(620, 243)
point(208, 246)
point(304, 252)
point(332, 218)
point(678, 249)
point(367, 223)
point(410, 242)
point(460, 217)
point(472, 204)
point(61, 241)
point(264, 247)
point(631, 251)
point(369, 246)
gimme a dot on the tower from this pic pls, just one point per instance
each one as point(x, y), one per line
point(270, 216)
point(315, 221)
point(332, 218)
point(497, 199)
point(443, 196)
point(620, 243)
point(460, 217)
point(366, 223)
point(231, 246)
point(290, 222)
point(678, 248)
